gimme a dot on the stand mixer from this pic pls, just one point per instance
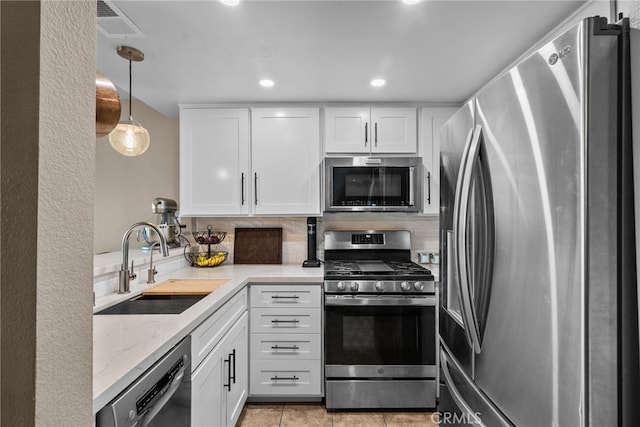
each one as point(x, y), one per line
point(168, 224)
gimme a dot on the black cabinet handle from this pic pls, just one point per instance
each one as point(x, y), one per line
point(375, 127)
point(278, 347)
point(233, 354)
point(429, 187)
point(277, 297)
point(285, 321)
point(242, 187)
point(228, 372)
point(366, 134)
point(255, 188)
point(277, 378)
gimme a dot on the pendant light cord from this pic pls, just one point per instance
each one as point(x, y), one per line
point(130, 95)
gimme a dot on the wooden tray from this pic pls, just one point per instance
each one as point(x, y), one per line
point(257, 246)
point(186, 287)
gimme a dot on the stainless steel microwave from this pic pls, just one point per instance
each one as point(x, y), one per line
point(373, 184)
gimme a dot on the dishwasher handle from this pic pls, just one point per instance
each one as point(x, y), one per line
point(169, 392)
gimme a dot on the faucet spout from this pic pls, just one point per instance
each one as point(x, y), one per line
point(125, 276)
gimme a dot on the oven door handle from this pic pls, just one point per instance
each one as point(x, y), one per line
point(396, 301)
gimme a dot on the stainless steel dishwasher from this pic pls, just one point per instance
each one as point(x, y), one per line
point(160, 397)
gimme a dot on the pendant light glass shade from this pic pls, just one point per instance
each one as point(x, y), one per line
point(129, 138)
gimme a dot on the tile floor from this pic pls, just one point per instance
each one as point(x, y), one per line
point(315, 415)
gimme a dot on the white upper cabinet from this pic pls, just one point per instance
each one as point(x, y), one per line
point(394, 130)
point(285, 158)
point(431, 121)
point(364, 130)
point(347, 130)
point(231, 164)
point(214, 161)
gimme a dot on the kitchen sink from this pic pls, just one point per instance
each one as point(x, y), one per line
point(153, 304)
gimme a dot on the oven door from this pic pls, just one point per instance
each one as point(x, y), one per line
point(373, 184)
point(380, 336)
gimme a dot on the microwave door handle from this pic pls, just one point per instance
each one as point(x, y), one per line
point(412, 172)
point(462, 237)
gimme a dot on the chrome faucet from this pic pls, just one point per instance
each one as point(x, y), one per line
point(125, 274)
point(151, 272)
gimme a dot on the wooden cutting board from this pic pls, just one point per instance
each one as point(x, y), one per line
point(257, 246)
point(186, 287)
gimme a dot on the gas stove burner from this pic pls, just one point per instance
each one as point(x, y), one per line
point(374, 267)
point(380, 267)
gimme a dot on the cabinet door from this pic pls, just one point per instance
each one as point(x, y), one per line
point(394, 130)
point(347, 130)
point(286, 161)
point(214, 161)
point(207, 392)
point(432, 120)
point(238, 346)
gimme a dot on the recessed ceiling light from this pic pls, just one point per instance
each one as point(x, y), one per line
point(378, 82)
point(266, 83)
point(410, 1)
point(230, 2)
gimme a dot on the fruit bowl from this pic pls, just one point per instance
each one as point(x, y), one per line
point(206, 259)
point(209, 237)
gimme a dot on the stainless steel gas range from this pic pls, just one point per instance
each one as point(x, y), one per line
point(380, 322)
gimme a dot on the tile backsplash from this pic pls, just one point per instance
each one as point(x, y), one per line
point(424, 230)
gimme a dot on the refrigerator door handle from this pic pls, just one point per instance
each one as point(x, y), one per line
point(463, 197)
point(452, 239)
point(452, 270)
point(471, 416)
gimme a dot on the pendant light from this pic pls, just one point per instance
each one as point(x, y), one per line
point(130, 138)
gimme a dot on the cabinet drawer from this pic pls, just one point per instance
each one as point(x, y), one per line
point(285, 346)
point(207, 335)
point(287, 320)
point(286, 377)
point(285, 295)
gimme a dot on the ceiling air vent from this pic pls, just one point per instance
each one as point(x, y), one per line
point(115, 24)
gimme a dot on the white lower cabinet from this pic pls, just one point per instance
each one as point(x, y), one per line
point(285, 340)
point(285, 319)
point(276, 346)
point(219, 383)
point(285, 377)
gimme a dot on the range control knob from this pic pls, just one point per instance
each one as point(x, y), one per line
point(354, 286)
point(380, 285)
point(341, 286)
point(406, 286)
point(418, 286)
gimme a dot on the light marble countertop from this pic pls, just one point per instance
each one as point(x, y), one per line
point(125, 346)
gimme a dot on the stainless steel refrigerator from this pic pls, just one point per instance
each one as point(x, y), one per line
point(538, 301)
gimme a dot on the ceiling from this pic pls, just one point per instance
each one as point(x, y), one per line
point(321, 51)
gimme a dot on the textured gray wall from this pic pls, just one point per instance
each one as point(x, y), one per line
point(46, 188)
